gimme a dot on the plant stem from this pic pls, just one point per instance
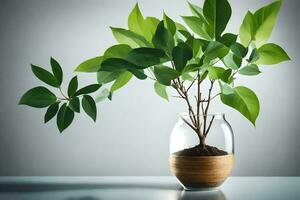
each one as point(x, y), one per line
point(207, 106)
point(183, 93)
point(65, 98)
point(151, 75)
point(209, 126)
point(195, 116)
point(198, 103)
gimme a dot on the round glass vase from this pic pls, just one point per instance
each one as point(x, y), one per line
point(203, 157)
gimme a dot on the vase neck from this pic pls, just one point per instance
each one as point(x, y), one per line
point(216, 116)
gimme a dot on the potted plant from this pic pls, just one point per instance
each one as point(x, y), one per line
point(174, 58)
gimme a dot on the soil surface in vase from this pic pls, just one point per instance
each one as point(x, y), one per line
point(201, 150)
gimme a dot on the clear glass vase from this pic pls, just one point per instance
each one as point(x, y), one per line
point(201, 155)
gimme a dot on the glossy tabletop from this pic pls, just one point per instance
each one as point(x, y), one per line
point(143, 188)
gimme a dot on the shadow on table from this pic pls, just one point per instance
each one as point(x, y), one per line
point(203, 195)
point(173, 191)
point(83, 198)
point(181, 195)
point(58, 187)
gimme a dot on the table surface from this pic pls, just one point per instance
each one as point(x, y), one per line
point(144, 188)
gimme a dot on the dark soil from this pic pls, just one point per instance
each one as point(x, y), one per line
point(201, 150)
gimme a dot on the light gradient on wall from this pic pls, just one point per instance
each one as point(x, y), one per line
point(132, 132)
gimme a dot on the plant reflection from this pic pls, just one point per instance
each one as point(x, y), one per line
point(203, 195)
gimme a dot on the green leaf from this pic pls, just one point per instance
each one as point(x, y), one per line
point(38, 97)
point(247, 29)
point(183, 35)
point(180, 27)
point(64, 118)
point(232, 61)
point(51, 112)
point(164, 74)
point(88, 89)
point(239, 50)
point(215, 73)
point(228, 39)
point(74, 104)
point(243, 100)
point(182, 53)
point(150, 24)
point(139, 73)
point(271, 54)
point(102, 95)
point(137, 23)
point(187, 77)
point(217, 13)
point(90, 65)
point(44, 76)
point(259, 26)
point(130, 38)
point(190, 68)
point(226, 89)
point(203, 75)
point(197, 25)
point(215, 50)
point(110, 96)
point(254, 56)
point(196, 45)
point(122, 80)
point(73, 85)
point(250, 70)
point(89, 106)
point(117, 51)
point(163, 39)
point(169, 24)
point(161, 90)
point(146, 57)
point(265, 19)
point(57, 71)
point(106, 77)
point(118, 64)
point(196, 10)
point(136, 20)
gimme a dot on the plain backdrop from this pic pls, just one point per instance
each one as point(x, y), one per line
point(131, 135)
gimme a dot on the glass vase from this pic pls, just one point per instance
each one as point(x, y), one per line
point(201, 153)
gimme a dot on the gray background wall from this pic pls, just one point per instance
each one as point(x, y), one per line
point(132, 132)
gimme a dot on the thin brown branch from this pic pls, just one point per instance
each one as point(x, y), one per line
point(202, 108)
point(190, 125)
point(198, 100)
point(215, 96)
point(207, 106)
point(180, 97)
point(191, 85)
point(183, 93)
point(66, 98)
point(184, 96)
point(192, 114)
point(205, 100)
point(178, 79)
point(177, 88)
point(209, 126)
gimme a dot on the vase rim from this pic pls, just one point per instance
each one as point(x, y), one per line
point(185, 114)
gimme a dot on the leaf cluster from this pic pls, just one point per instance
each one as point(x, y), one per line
point(63, 107)
point(169, 52)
